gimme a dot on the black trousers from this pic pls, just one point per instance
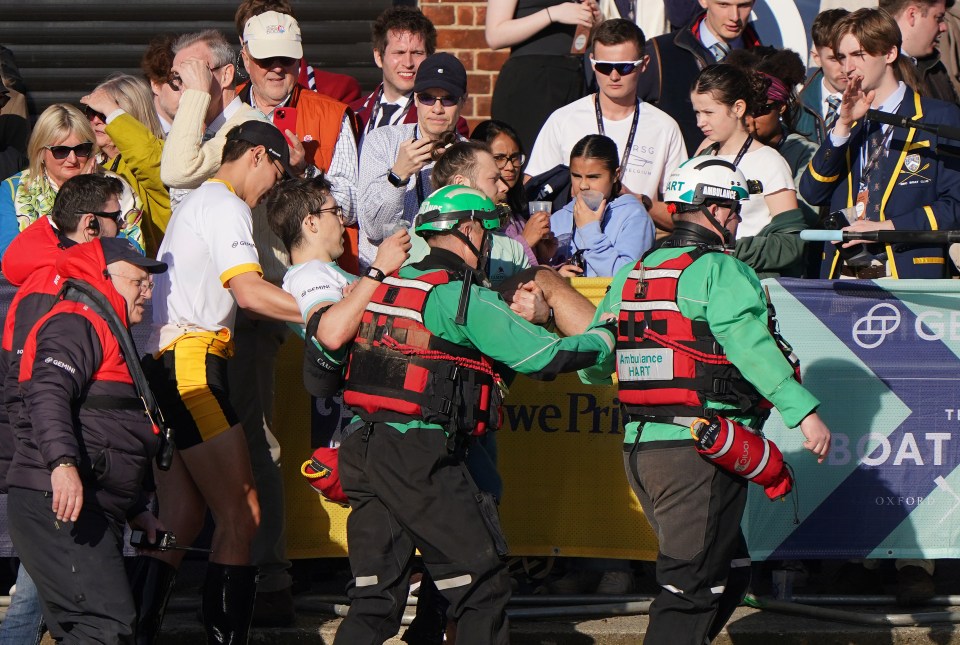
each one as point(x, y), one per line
point(703, 565)
point(407, 492)
point(77, 567)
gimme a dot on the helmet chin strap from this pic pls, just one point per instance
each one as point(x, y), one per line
point(726, 236)
point(477, 275)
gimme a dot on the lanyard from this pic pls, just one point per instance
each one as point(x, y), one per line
point(633, 132)
point(743, 150)
point(873, 158)
point(375, 110)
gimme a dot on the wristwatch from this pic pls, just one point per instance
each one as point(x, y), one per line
point(68, 462)
point(375, 274)
point(397, 180)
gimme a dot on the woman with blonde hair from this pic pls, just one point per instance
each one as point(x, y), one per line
point(61, 146)
point(128, 132)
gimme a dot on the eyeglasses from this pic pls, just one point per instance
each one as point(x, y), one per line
point(145, 285)
point(516, 160)
point(336, 210)
point(90, 113)
point(176, 82)
point(83, 150)
point(275, 61)
point(623, 68)
point(114, 215)
point(428, 100)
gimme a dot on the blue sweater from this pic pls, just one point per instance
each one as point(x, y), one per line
point(623, 234)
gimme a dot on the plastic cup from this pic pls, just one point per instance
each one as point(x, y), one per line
point(536, 207)
point(591, 198)
point(393, 227)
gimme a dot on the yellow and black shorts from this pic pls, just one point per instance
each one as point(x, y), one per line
point(189, 380)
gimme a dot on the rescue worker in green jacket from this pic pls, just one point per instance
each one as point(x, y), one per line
point(693, 341)
point(422, 377)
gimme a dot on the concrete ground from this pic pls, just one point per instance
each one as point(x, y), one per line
point(319, 583)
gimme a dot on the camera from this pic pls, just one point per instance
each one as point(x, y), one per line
point(578, 260)
point(854, 256)
point(165, 540)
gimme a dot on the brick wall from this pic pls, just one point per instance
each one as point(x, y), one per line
point(460, 31)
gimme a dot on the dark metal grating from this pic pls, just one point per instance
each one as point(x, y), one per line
point(64, 49)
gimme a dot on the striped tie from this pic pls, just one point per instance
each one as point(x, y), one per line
point(833, 111)
point(719, 50)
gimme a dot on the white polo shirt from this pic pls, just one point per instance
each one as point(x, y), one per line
point(208, 242)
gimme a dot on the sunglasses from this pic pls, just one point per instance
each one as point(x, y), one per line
point(623, 68)
point(428, 100)
point(90, 113)
point(82, 150)
point(516, 160)
point(276, 61)
point(114, 215)
point(176, 83)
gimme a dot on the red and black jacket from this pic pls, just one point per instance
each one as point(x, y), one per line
point(399, 371)
point(29, 264)
point(693, 369)
point(79, 400)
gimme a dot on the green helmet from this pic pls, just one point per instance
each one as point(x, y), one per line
point(450, 205)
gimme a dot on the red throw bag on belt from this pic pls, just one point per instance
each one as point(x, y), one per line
point(323, 475)
point(744, 452)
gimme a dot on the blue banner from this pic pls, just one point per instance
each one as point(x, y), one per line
point(882, 357)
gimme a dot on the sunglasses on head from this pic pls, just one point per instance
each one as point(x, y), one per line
point(83, 150)
point(429, 100)
point(90, 113)
point(623, 68)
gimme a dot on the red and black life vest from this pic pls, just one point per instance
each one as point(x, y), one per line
point(399, 370)
point(668, 365)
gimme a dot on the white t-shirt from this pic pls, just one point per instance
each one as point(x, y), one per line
point(773, 171)
point(316, 282)
point(658, 146)
point(208, 242)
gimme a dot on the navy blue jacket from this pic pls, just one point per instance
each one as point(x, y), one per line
point(921, 188)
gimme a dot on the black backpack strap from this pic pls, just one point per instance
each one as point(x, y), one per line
point(83, 292)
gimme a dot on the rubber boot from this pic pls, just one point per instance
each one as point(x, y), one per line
point(151, 583)
point(430, 623)
point(229, 592)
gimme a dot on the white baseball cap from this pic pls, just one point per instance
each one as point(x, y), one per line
point(273, 34)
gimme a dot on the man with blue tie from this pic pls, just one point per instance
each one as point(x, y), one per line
point(889, 177)
point(819, 100)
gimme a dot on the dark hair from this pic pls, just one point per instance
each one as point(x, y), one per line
point(783, 64)
point(403, 19)
point(250, 8)
point(728, 84)
point(602, 148)
point(823, 26)
point(289, 203)
point(158, 59)
point(878, 33)
point(81, 195)
point(487, 131)
point(458, 159)
point(619, 30)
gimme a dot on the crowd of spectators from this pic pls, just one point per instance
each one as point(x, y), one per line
point(578, 154)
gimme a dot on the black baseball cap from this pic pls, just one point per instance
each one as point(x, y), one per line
point(120, 249)
point(261, 133)
point(444, 71)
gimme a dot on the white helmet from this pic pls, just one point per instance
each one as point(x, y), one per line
point(704, 180)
